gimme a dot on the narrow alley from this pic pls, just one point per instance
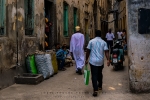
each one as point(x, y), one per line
point(67, 85)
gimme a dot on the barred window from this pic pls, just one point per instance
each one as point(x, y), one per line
point(2, 17)
point(29, 17)
point(75, 18)
point(66, 19)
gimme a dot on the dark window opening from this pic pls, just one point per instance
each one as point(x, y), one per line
point(2, 17)
point(29, 17)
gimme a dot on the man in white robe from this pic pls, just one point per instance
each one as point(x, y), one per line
point(77, 50)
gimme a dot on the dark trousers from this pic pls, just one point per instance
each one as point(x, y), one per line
point(61, 63)
point(109, 43)
point(97, 76)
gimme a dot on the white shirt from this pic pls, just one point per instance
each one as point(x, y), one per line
point(110, 36)
point(97, 47)
point(119, 35)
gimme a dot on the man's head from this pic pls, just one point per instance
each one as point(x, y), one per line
point(77, 28)
point(57, 46)
point(98, 33)
point(64, 47)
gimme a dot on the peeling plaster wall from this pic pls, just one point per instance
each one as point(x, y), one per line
point(104, 7)
point(121, 19)
point(139, 48)
point(26, 44)
point(112, 24)
point(80, 5)
point(122, 15)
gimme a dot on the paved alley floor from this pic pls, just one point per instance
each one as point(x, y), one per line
point(67, 85)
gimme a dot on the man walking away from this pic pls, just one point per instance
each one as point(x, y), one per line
point(110, 37)
point(77, 50)
point(96, 49)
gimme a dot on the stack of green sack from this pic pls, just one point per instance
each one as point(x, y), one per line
point(30, 64)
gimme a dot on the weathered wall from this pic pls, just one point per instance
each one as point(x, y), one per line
point(122, 15)
point(26, 44)
point(111, 25)
point(103, 15)
point(85, 11)
point(138, 47)
point(118, 17)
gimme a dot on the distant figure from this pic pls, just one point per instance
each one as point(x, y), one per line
point(77, 49)
point(124, 41)
point(110, 37)
point(119, 33)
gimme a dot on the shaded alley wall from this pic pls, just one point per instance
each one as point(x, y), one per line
point(138, 47)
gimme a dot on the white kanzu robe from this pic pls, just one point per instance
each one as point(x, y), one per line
point(77, 48)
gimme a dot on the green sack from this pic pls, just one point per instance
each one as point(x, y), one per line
point(31, 66)
point(86, 75)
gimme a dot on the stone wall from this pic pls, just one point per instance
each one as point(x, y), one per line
point(122, 15)
point(26, 44)
point(138, 47)
point(111, 25)
point(85, 12)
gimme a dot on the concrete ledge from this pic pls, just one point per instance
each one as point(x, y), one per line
point(29, 79)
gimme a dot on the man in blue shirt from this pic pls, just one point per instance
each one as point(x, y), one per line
point(96, 49)
point(60, 54)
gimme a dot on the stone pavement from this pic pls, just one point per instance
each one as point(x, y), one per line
point(67, 85)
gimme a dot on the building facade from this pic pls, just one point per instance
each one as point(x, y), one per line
point(117, 15)
point(21, 33)
point(22, 28)
point(88, 14)
point(133, 16)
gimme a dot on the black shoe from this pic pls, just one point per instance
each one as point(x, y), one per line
point(95, 94)
point(79, 71)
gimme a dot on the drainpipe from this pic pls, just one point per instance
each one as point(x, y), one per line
point(17, 62)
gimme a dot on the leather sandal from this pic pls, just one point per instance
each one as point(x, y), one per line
point(95, 93)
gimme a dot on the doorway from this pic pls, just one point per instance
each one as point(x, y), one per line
point(87, 37)
point(50, 26)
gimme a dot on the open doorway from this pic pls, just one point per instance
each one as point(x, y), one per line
point(87, 37)
point(49, 24)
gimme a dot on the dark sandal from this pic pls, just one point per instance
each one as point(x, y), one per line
point(95, 94)
point(99, 88)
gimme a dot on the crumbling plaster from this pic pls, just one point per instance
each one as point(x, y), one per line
point(138, 48)
point(15, 23)
point(80, 5)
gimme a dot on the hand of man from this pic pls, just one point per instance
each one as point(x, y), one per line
point(72, 56)
point(86, 62)
point(108, 63)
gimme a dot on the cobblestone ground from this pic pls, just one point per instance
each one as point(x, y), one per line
point(67, 85)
